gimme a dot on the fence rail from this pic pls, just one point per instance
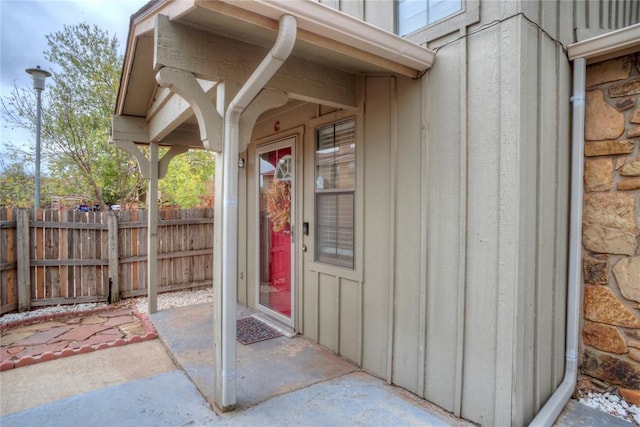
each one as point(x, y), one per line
point(52, 257)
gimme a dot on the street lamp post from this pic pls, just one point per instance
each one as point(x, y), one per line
point(38, 75)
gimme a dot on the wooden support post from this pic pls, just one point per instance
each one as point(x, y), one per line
point(114, 259)
point(217, 284)
point(24, 261)
point(152, 234)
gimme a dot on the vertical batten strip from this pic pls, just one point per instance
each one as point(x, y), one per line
point(424, 242)
point(508, 219)
point(393, 175)
point(338, 285)
point(563, 186)
point(462, 230)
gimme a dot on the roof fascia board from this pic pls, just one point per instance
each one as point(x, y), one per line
point(318, 19)
point(606, 46)
point(143, 21)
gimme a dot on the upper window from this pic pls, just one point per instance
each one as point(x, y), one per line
point(416, 14)
point(335, 186)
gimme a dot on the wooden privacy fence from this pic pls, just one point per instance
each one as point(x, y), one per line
point(52, 257)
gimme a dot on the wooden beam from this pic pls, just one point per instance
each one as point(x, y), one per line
point(129, 128)
point(214, 57)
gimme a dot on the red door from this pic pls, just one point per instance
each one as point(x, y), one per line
point(276, 205)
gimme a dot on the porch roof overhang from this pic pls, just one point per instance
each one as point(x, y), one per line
point(224, 40)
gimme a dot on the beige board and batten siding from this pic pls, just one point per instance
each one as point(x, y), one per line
point(497, 174)
point(461, 296)
point(465, 179)
point(465, 208)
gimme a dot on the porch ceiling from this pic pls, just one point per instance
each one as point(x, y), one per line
point(226, 39)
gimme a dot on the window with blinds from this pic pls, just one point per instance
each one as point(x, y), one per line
point(335, 185)
point(416, 14)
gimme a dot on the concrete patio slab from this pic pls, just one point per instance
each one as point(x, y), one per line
point(168, 399)
point(355, 399)
point(265, 369)
point(42, 383)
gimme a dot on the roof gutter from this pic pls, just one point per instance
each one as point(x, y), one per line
point(606, 46)
point(267, 68)
point(319, 19)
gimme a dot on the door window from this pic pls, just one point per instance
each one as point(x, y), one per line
point(276, 189)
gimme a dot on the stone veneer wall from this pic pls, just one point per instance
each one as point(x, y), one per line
point(611, 324)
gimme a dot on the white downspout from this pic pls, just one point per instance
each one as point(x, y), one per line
point(256, 82)
point(559, 398)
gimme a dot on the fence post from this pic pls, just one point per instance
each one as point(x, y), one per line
point(23, 261)
point(114, 259)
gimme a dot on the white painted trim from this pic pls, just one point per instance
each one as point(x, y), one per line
point(267, 145)
point(606, 46)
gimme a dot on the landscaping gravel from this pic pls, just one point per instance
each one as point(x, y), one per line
point(176, 299)
point(612, 404)
point(165, 300)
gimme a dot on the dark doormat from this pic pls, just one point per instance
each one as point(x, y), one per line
point(250, 330)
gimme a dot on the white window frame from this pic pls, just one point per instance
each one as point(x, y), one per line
point(425, 17)
point(468, 15)
point(337, 192)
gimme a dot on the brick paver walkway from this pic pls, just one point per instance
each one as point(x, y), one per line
point(37, 340)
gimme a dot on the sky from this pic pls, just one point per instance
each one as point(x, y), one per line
point(24, 24)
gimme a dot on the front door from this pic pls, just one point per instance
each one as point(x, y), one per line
point(276, 190)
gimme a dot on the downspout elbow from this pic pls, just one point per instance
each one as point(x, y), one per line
point(286, 38)
point(267, 68)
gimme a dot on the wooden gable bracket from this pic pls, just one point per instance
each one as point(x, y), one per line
point(266, 100)
point(169, 110)
point(127, 130)
point(186, 85)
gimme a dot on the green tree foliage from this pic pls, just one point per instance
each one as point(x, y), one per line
point(16, 184)
point(76, 118)
point(186, 181)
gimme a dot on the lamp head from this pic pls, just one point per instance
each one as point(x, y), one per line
point(38, 75)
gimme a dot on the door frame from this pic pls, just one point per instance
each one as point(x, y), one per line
point(289, 139)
